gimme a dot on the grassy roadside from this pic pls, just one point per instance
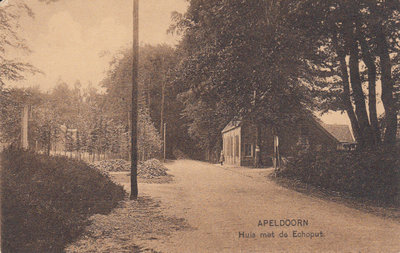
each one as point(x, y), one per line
point(46, 201)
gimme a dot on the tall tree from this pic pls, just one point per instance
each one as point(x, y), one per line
point(157, 91)
point(352, 35)
point(240, 60)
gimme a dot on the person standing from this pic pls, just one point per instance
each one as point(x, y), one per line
point(222, 158)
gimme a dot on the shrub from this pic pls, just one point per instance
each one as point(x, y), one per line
point(152, 168)
point(46, 200)
point(365, 174)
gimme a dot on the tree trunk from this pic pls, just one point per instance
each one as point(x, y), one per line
point(348, 106)
point(370, 63)
point(257, 154)
point(387, 91)
point(346, 98)
point(358, 95)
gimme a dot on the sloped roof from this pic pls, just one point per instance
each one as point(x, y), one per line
point(231, 125)
point(341, 133)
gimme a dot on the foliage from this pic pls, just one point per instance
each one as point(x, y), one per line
point(239, 60)
point(70, 119)
point(46, 200)
point(156, 66)
point(9, 108)
point(205, 123)
point(12, 68)
point(99, 121)
point(372, 174)
point(156, 74)
point(117, 101)
point(118, 85)
point(149, 141)
point(12, 101)
point(348, 48)
point(266, 59)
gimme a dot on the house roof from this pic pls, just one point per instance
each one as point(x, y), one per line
point(341, 133)
point(231, 125)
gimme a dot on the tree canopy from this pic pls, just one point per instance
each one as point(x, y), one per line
point(269, 60)
point(352, 46)
point(11, 42)
point(239, 60)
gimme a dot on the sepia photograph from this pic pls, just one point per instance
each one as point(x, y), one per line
point(180, 126)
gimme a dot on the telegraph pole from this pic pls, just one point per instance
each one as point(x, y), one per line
point(24, 127)
point(165, 139)
point(134, 162)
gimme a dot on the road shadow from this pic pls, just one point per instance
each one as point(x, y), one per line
point(128, 228)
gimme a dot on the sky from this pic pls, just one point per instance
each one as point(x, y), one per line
point(75, 39)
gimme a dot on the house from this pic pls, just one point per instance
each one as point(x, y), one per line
point(66, 139)
point(343, 134)
point(307, 133)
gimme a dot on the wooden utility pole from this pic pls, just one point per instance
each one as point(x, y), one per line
point(165, 144)
point(257, 150)
point(24, 127)
point(134, 162)
point(276, 160)
point(162, 108)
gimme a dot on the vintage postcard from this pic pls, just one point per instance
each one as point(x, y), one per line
point(200, 126)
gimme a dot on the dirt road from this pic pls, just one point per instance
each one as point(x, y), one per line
point(222, 203)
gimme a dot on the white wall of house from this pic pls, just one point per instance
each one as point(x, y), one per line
point(232, 146)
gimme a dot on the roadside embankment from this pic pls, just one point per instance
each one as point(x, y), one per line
point(46, 200)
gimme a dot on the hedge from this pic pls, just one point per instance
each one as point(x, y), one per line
point(364, 174)
point(46, 200)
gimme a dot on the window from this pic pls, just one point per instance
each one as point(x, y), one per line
point(303, 140)
point(248, 150)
